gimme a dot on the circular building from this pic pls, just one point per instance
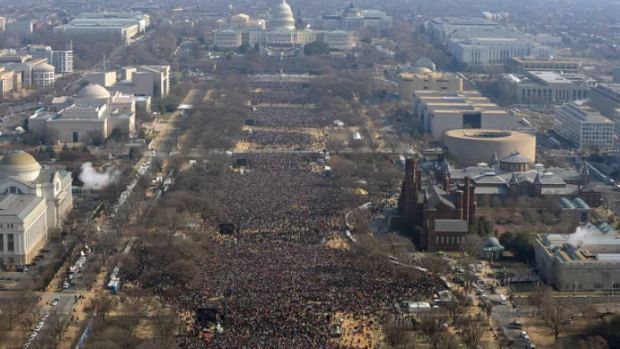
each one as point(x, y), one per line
point(281, 17)
point(21, 165)
point(515, 162)
point(473, 146)
point(491, 248)
point(43, 75)
point(93, 91)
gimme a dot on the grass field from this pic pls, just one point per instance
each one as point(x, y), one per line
point(165, 117)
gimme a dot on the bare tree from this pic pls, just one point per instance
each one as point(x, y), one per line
point(88, 277)
point(165, 323)
point(556, 315)
point(435, 264)
point(457, 306)
point(432, 329)
point(45, 340)
point(100, 306)
point(58, 322)
point(471, 244)
point(487, 308)
point(596, 342)
point(539, 297)
point(106, 244)
point(472, 331)
point(334, 145)
point(397, 337)
point(22, 302)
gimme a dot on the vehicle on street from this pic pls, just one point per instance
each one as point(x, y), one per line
point(54, 303)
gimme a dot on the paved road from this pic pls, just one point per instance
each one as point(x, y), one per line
point(166, 141)
point(64, 306)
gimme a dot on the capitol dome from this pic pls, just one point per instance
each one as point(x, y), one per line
point(93, 91)
point(281, 17)
point(21, 165)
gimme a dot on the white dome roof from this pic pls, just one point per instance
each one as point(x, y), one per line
point(93, 91)
point(21, 165)
point(43, 66)
point(283, 8)
point(282, 16)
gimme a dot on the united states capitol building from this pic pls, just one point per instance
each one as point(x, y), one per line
point(278, 30)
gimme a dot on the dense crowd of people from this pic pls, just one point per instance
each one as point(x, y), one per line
point(280, 191)
point(277, 138)
point(276, 283)
point(286, 290)
point(270, 92)
point(289, 117)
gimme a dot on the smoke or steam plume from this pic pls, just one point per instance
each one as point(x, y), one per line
point(581, 236)
point(93, 179)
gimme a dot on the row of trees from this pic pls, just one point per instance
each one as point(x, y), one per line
point(431, 328)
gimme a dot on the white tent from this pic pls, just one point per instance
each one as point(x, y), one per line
point(422, 307)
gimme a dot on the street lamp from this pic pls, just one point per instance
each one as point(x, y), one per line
point(575, 289)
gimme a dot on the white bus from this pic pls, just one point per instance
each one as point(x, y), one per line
point(502, 299)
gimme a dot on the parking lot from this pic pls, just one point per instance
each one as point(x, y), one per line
point(11, 278)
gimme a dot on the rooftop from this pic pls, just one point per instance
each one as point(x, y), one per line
point(589, 243)
point(583, 112)
point(451, 226)
point(461, 20)
point(18, 205)
point(536, 59)
point(546, 78)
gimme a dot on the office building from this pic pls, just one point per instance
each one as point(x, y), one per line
point(10, 81)
point(36, 72)
point(439, 112)
point(425, 79)
point(92, 111)
point(2, 24)
point(113, 19)
point(481, 50)
point(11, 56)
point(605, 98)
point(584, 127)
point(125, 26)
point(588, 262)
point(123, 32)
point(441, 28)
point(617, 129)
point(62, 60)
point(519, 65)
point(277, 31)
point(143, 80)
point(21, 27)
point(242, 22)
point(353, 19)
point(544, 87)
point(33, 201)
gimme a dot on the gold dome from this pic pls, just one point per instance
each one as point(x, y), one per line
point(18, 158)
